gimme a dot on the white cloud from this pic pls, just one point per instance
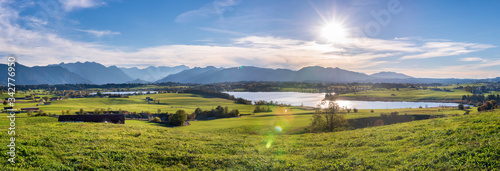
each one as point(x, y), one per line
point(38, 47)
point(69, 5)
point(442, 49)
point(99, 33)
point(473, 59)
point(217, 7)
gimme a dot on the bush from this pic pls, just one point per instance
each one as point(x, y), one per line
point(460, 107)
point(355, 110)
point(178, 118)
point(156, 119)
point(372, 111)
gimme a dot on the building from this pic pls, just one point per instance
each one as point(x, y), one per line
point(117, 119)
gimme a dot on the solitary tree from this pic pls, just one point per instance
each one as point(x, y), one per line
point(178, 118)
point(328, 120)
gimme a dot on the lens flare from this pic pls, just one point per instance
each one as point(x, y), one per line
point(278, 128)
point(269, 143)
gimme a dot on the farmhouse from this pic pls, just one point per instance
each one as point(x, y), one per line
point(117, 119)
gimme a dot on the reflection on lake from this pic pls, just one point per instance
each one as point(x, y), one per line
point(314, 99)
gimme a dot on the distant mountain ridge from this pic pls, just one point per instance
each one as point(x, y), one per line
point(250, 73)
point(42, 75)
point(152, 73)
point(97, 73)
point(390, 75)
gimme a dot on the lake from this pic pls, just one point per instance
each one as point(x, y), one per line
point(314, 99)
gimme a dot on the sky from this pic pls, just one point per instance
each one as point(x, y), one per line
point(424, 38)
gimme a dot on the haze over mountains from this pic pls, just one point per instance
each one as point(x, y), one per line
point(151, 74)
point(95, 73)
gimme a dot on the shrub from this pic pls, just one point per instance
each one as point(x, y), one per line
point(178, 118)
point(156, 119)
point(372, 111)
point(355, 110)
point(460, 107)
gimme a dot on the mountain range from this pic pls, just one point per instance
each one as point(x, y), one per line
point(95, 73)
point(41, 75)
point(151, 74)
point(250, 73)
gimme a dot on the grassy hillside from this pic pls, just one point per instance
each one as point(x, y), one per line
point(169, 102)
point(460, 142)
point(405, 94)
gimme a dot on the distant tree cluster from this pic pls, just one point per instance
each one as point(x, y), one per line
point(479, 98)
point(270, 103)
point(218, 112)
point(259, 109)
point(489, 105)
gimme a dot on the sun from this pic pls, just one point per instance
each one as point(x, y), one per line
point(334, 32)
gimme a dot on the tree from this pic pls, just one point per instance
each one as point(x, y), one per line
point(234, 113)
point(372, 111)
point(460, 107)
point(159, 111)
point(198, 111)
point(355, 110)
point(5, 102)
point(178, 118)
point(81, 111)
point(328, 120)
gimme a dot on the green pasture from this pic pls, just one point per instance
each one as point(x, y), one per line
point(465, 142)
point(405, 94)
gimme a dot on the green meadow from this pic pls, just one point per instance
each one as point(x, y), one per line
point(406, 94)
point(275, 140)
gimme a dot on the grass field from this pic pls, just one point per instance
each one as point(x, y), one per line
point(252, 142)
point(264, 141)
point(169, 102)
point(406, 94)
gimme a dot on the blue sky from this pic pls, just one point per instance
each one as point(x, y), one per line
point(434, 39)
